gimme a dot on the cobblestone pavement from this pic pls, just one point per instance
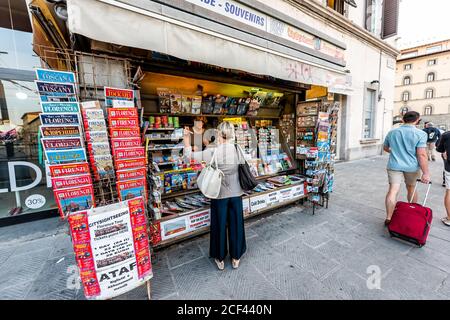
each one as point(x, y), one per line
point(291, 254)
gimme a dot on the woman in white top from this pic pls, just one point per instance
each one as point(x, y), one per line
point(227, 208)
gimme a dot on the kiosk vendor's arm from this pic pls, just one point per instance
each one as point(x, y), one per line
point(198, 156)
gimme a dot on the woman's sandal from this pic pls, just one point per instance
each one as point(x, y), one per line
point(386, 222)
point(446, 221)
point(220, 264)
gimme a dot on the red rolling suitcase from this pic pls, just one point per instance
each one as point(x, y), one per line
point(411, 221)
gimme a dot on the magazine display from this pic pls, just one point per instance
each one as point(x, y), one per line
point(97, 140)
point(62, 141)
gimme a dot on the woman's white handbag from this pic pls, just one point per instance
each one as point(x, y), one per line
point(210, 179)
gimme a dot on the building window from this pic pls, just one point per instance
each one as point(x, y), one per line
point(432, 62)
point(369, 113)
point(410, 54)
point(372, 17)
point(434, 49)
point(429, 94)
point(406, 81)
point(337, 5)
point(405, 96)
point(428, 111)
point(407, 66)
point(390, 18)
point(404, 110)
point(431, 77)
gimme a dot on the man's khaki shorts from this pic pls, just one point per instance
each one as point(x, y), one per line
point(397, 177)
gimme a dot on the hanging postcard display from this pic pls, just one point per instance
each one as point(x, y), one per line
point(62, 141)
point(111, 247)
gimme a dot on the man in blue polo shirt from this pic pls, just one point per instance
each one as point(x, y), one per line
point(407, 147)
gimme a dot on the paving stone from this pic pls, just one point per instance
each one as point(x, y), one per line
point(22, 268)
point(183, 253)
point(139, 293)
point(431, 257)
point(307, 258)
point(17, 292)
point(199, 280)
point(63, 246)
point(53, 278)
point(271, 232)
point(5, 253)
point(313, 237)
point(162, 282)
point(298, 284)
point(445, 288)
point(263, 257)
point(428, 276)
point(438, 244)
point(405, 288)
point(248, 284)
point(348, 285)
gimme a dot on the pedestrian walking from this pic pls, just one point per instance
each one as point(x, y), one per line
point(444, 148)
point(227, 209)
point(408, 160)
point(433, 135)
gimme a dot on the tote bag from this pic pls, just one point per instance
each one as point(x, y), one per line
point(246, 178)
point(210, 179)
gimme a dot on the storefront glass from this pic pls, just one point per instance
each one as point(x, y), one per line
point(23, 185)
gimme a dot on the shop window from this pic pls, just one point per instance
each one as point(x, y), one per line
point(428, 110)
point(431, 77)
point(406, 81)
point(369, 114)
point(429, 94)
point(405, 96)
point(22, 172)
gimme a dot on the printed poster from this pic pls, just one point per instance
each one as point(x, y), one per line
point(55, 76)
point(60, 131)
point(74, 199)
point(56, 92)
point(175, 227)
point(61, 143)
point(117, 94)
point(60, 107)
point(69, 169)
point(120, 250)
point(59, 119)
point(66, 156)
point(71, 181)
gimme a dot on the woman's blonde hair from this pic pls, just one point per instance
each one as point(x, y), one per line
point(226, 130)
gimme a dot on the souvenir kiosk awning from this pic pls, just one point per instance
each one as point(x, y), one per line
point(230, 35)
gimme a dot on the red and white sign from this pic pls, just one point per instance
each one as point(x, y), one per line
point(111, 246)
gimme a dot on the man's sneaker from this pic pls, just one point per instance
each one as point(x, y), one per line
point(446, 221)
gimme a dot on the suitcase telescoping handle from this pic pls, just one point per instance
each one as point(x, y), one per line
point(426, 196)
